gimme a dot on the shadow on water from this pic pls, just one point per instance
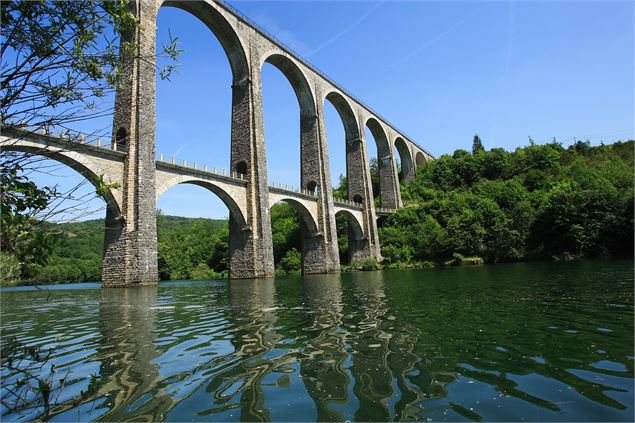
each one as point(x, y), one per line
point(539, 341)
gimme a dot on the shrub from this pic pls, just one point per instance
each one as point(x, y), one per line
point(9, 269)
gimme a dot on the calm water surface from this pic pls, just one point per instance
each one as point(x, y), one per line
point(541, 341)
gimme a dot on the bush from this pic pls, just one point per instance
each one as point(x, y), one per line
point(369, 264)
point(292, 261)
point(460, 260)
point(9, 270)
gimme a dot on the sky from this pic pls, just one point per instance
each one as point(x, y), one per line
point(439, 71)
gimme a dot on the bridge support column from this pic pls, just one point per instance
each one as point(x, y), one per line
point(251, 246)
point(130, 254)
point(319, 252)
point(388, 182)
point(360, 190)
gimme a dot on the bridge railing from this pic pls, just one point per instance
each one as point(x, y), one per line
point(384, 210)
point(302, 59)
point(82, 138)
point(204, 168)
point(345, 202)
point(295, 190)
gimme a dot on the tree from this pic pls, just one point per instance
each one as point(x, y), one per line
point(477, 144)
point(61, 60)
point(60, 66)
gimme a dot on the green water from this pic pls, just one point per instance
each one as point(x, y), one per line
point(539, 341)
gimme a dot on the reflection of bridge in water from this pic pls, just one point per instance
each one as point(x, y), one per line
point(331, 348)
point(130, 161)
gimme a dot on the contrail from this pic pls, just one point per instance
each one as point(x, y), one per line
point(347, 29)
point(432, 41)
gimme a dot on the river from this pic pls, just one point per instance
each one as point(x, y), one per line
point(511, 342)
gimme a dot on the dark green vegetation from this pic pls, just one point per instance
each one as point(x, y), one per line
point(540, 341)
point(538, 202)
point(188, 248)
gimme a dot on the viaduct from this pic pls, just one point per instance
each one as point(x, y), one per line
point(128, 164)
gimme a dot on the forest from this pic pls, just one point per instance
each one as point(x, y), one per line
point(485, 206)
point(537, 202)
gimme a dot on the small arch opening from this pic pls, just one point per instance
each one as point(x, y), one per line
point(358, 199)
point(121, 140)
point(311, 186)
point(241, 167)
point(404, 164)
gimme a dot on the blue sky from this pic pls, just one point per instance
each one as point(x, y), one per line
point(440, 71)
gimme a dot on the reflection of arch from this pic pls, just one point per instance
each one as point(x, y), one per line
point(344, 109)
point(78, 163)
point(307, 217)
point(406, 159)
point(235, 211)
point(355, 227)
point(207, 13)
point(297, 80)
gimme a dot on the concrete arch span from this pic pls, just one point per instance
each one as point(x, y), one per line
point(356, 166)
point(90, 168)
point(354, 223)
point(407, 168)
point(345, 111)
point(298, 80)
point(420, 159)
point(358, 248)
point(307, 209)
point(310, 175)
point(388, 184)
point(215, 19)
point(231, 194)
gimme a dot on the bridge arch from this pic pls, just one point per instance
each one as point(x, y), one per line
point(407, 168)
point(388, 186)
point(237, 213)
point(356, 226)
point(296, 77)
point(345, 111)
point(355, 154)
point(420, 159)
point(207, 12)
point(299, 157)
point(354, 234)
point(309, 217)
point(90, 170)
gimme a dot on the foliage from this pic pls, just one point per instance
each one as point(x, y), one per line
point(20, 233)
point(540, 201)
point(9, 269)
point(341, 191)
point(286, 225)
point(189, 248)
point(60, 58)
point(33, 385)
point(192, 248)
point(291, 262)
point(60, 63)
point(477, 144)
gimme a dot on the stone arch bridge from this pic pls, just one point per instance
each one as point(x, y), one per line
point(129, 160)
